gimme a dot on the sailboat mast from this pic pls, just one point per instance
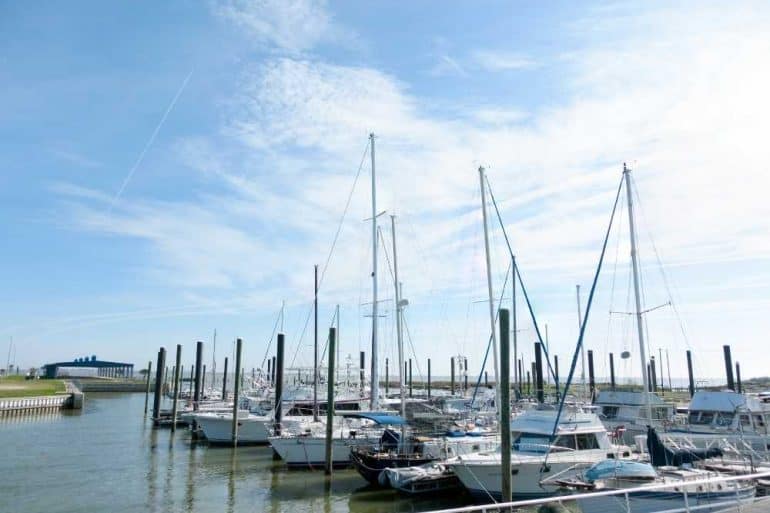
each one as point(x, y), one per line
point(582, 350)
point(375, 378)
point(399, 332)
point(637, 294)
point(489, 285)
point(515, 330)
point(315, 346)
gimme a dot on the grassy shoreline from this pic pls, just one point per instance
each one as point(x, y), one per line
point(17, 386)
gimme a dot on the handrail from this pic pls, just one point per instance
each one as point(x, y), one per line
point(622, 492)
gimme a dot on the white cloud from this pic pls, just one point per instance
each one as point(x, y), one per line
point(290, 25)
point(686, 109)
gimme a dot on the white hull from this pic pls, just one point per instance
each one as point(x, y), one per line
point(483, 478)
point(217, 428)
point(310, 452)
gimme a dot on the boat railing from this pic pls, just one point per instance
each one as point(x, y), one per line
point(622, 500)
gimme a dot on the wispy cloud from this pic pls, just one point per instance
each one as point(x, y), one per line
point(491, 60)
point(290, 25)
point(75, 158)
point(688, 112)
point(446, 65)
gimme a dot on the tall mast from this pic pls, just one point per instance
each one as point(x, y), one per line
point(315, 347)
point(514, 330)
point(399, 332)
point(582, 350)
point(375, 378)
point(489, 285)
point(637, 295)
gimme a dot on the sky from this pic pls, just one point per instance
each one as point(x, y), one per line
point(171, 169)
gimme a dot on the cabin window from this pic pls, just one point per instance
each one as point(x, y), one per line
point(725, 419)
point(759, 421)
point(530, 442)
point(745, 420)
point(610, 412)
point(660, 413)
point(587, 441)
point(705, 417)
point(565, 442)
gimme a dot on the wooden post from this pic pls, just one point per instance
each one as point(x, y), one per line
point(198, 368)
point(738, 377)
point(654, 372)
point(176, 386)
point(279, 384)
point(428, 378)
point(556, 376)
point(539, 373)
point(689, 373)
point(612, 371)
point(238, 344)
point(203, 382)
point(729, 368)
point(465, 374)
point(224, 381)
point(361, 367)
point(486, 379)
point(272, 379)
point(452, 379)
point(591, 379)
point(330, 402)
point(505, 406)
point(158, 383)
point(387, 377)
point(410, 377)
point(147, 390)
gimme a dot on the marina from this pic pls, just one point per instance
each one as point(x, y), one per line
point(301, 256)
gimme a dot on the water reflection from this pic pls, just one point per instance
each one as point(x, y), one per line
point(152, 467)
point(231, 480)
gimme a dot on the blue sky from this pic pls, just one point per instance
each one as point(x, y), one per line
point(240, 192)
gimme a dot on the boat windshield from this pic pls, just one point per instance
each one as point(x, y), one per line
point(538, 443)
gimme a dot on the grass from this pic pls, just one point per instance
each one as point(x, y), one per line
point(17, 386)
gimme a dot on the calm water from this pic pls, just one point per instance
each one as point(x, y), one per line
point(107, 458)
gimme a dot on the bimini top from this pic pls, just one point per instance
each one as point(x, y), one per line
point(541, 421)
point(725, 401)
point(623, 469)
point(379, 417)
point(613, 397)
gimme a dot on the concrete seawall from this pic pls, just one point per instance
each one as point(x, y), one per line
point(72, 399)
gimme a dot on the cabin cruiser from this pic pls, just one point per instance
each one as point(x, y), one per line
point(580, 439)
point(726, 419)
point(625, 413)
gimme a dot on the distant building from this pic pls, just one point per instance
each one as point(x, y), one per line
point(88, 367)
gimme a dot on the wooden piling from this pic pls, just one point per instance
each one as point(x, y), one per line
point(330, 403)
point(279, 384)
point(238, 346)
point(387, 377)
point(689, 373)
point(410, 377)
point(738, 377)
point(654, 373)
point(729, 368)
point(612, 371)
point(591, 377)
point(203, 382)
point(176, 386)
point(224, 381)
point(361, 368)
point(505, 406)
point(539, 373)
point(452, 379)
point(158, 384)
point(147, 390)
point(428, 378)
point(198, 369)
